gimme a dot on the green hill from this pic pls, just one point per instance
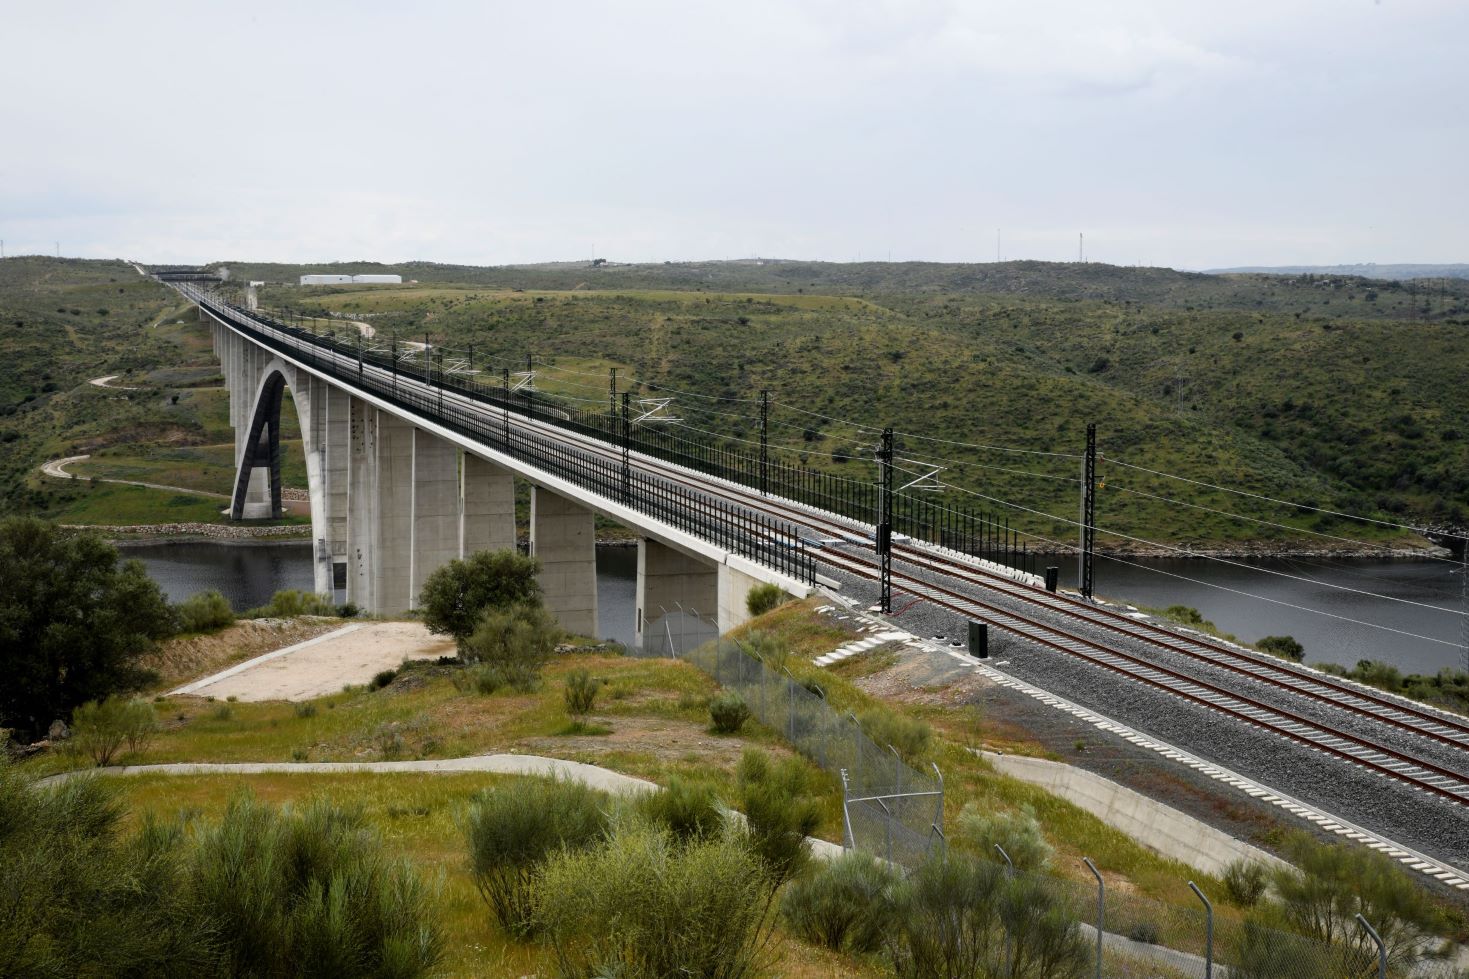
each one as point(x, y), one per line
point(1323, 392)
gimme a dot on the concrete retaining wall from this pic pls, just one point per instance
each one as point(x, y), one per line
point(1161, 828)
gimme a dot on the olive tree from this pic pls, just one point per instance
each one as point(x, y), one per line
point(457, 595)
point(73, 621)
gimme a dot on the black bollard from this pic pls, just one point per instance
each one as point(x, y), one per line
point(979, 640)
point(1053, 575)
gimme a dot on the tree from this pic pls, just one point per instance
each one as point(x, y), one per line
point(456, 596)
point(1284, 646)
point(73, 621)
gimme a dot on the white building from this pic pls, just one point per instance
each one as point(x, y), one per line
point(335, 279)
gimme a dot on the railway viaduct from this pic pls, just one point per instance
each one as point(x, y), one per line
point(404, 475)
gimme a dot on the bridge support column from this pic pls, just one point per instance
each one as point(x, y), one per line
point(361, 504)
point(563, 535)
point(336, 452)
point(435, 508)
point(677, 599)
point(393, 590)
point(734, 589)
point(310, 394)
point(487, 506)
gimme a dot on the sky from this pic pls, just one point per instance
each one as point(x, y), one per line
point(1183, 133)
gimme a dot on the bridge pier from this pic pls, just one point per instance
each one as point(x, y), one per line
point(361, 503)
point(335, 406)
point(393, 543)
point(436, 518)
point(734, 590)
point(563, 534)
point(677, 599)
point(487, 506)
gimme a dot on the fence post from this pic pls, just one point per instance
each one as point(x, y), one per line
point(1009, 875)
point(938, 815)
point(791, 716)
point(1381, 948)
point(1101, 909)
point(1208, 931)
point(848, 841)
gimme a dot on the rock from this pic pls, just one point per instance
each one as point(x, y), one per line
point(58, 731)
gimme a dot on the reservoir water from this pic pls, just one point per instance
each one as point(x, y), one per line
point(1313, 605)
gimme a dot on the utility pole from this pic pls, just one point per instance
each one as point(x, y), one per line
point(626, 439)
point(612, 392)
point(505, 390)
point(530, 385)
point(885, 521)
point(764, 442)
point(427, 360)
point(1088, 512)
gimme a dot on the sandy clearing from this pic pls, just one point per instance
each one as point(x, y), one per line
point(324, 664)
point(57, 468)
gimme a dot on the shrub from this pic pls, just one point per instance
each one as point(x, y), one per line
point(1019, 833)
point(306, 710)
point(580, 693)
point(80, 900)
point(1145, 932)
point(1245, 881)
point(289, 603)
point(205, 611)
point(688, 809)
point(843, 906)
point(309, 891)
point(1283, 646)
point(382, 679)
point(98, 730)
point(348, 611)
point(728, 712)
point(513, 830)
point(517, 641)
point(1327, 885)
point(642, 907)
point(952, 917)
point(479, 678)
point(766, 648)
point(779, 814)
point(907, 734)
point(764, 598)
point(456, 597)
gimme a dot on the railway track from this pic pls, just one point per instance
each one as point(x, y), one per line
point(1421, 774)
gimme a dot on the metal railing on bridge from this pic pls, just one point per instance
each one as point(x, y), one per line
point(763, 539)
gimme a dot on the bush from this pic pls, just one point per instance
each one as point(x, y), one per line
point(1283, 646)
point(766, 648)
point(348, 611)
point(1019, 833)
point(764, 598)
point(728, 712)
point(456, 597)
point(779, 814)
point(517, 641)
point(642, 907)
point(206, 611)
point(580, 693)
point(80, 900)
point(843, 906)
point(289, 603)
point(98, 730)
point(479, 678)
point(306, 710)
point(952, 917)
point(513, 830)
point(1328, 885)
point(907, 734)
point(382, 678)
point(1245, 881)
point(689, 810)
point(309, 891)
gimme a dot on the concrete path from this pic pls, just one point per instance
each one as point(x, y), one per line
point(57, 468)
point(324, 664)
point(106, 382)
point(602, 779)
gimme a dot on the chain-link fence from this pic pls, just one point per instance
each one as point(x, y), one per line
point(891, 810)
